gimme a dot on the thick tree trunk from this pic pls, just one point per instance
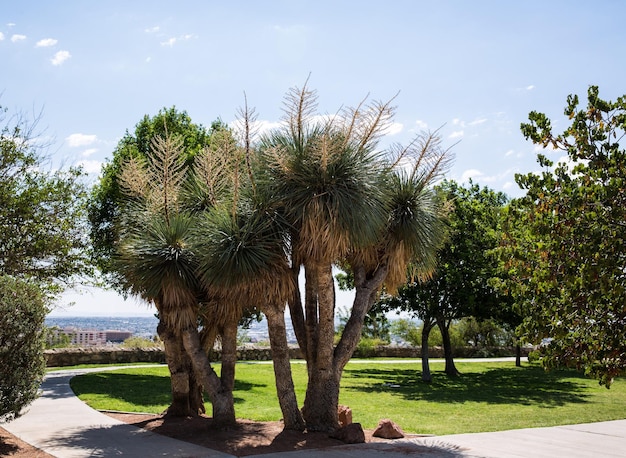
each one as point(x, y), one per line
point(322, 394)
point(450, 368)
point(322, 400)
point(518, 355)
point(221, 396)
point(285, 390)
point(426, 375)
point(179, 367)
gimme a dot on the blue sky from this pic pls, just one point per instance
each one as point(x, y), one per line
point(476, 68)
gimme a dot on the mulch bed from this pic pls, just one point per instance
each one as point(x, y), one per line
point(246, 438)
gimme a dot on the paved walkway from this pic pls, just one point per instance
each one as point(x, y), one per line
point(62, 425)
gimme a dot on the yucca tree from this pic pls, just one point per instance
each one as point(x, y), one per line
point(345, 201)
point(157, 262)
point(242, 244)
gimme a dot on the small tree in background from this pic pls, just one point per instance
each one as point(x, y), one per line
point(22, 363)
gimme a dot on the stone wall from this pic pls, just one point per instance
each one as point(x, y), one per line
point(61, 357)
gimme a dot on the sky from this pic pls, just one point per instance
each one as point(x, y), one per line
point(474, 70)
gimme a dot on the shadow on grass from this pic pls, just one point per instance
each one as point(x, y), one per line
point(524, 386)
point(138, 389)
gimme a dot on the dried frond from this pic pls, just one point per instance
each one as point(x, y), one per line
point(367, 123)
point(167, 172)
point(299, 105)
point(424, 157)
point(134, 178)
point(247, 117)
point(219, 309)
point(213, 174)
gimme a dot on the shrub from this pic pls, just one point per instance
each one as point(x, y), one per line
point(139, 343)
point(22, 363)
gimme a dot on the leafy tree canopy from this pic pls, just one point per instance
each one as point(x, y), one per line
point(461, 285)
point(42, 213)
point(567, 239)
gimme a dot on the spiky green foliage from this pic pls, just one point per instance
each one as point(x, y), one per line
point(158, 262)
point(245, 253)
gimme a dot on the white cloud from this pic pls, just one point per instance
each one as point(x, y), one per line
point(169, 42)
point(421, 125)
point(509, 153)
point(46, 42)
point(10, 24)
point(395, 128)
point(258, 127)
point(478, 121)
point(148, 60)
point(1, 36)
point(456, 134)
point(17, 37)
point(76, 140)
point(471, 173)
point(173, 40)
point(508, 185)
point(60, 57)
point(154, 29)
point(91, 166)
point(89, 151)
point(530, 87)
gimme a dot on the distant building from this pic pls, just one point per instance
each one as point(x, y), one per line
point(87, 338)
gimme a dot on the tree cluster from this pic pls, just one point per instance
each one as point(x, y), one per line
point(208, 234)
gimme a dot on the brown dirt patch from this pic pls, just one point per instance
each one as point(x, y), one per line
point(11, 446)
point(246, 438)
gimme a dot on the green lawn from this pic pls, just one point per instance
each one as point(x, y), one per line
point(487, 397)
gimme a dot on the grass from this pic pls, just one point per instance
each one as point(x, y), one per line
point(487, 397)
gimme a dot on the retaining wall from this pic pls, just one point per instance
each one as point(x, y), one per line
point(61, 357)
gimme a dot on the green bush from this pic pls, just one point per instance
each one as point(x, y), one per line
point(22, 363)
point(140, 343)
point(366, 347)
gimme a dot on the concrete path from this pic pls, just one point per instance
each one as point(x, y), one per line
point(62, 425)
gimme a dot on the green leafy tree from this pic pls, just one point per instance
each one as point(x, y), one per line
point(43, 250)
point(566, 252)
point(42, 213)
point(462, 283)
point(22, 363)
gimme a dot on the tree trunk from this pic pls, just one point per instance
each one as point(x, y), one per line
point(322, 400)
point(518, 355)
point(426, 375)
point(285, 390)
point(295, 311)
point(444, 327)
point(221, 396)
point(179, 367)
point(322, 394)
